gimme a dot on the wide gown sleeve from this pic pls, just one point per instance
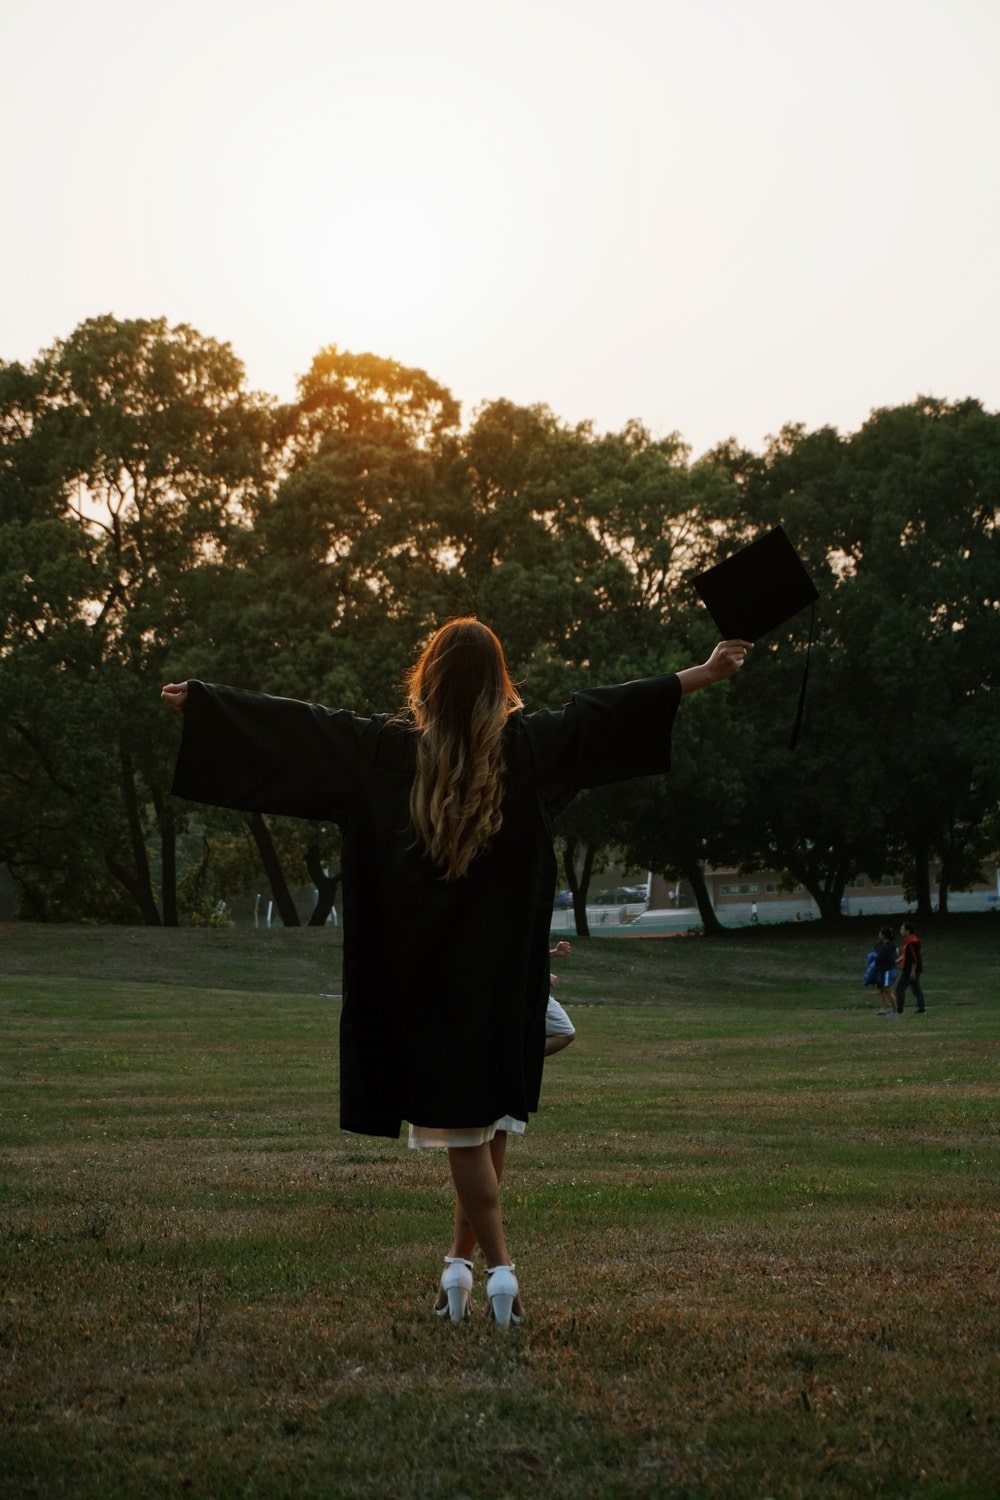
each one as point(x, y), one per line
point(603, 735)
point(275, 755)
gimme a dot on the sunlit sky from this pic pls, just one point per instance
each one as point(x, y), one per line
point(716, 217)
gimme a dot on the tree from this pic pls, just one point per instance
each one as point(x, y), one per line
point(578, 549)
point(369, 399)
point(131, 447)
point(897, 525)
point(324, 592)
point(930, 571)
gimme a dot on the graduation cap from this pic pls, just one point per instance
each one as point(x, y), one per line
point(756, 590)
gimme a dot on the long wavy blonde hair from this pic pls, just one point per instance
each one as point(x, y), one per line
point(460, 694)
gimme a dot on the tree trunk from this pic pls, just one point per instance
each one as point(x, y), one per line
point(139, 891)
point(943, 894)
point(168, 865)
point(168, 860)
point(32, 903)
point(326, 887)
point(696, 880)
point(826, 887)
point(579, 885)
point(272, 867)
point(829, 901)
point(922, 874)
point(140, 884)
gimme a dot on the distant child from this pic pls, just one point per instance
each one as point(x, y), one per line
point(911, 968)
point(885, 970)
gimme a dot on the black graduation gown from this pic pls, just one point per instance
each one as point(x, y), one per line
point(445, 982)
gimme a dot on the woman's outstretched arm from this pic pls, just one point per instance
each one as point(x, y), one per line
point(725, 661)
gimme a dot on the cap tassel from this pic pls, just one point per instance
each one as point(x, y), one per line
point(805, 678)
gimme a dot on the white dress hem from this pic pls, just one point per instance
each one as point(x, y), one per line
point(429, 1137)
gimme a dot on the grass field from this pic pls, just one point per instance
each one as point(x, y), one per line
point(756, 1227)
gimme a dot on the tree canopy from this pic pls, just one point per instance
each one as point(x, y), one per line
point(159, 521)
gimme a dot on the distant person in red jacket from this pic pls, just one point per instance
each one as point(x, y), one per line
point(911, 967)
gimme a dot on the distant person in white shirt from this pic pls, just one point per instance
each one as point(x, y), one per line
point(559, 1029)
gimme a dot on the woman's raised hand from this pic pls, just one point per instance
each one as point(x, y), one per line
point(175, 695)
point(725, 661)
point(727, 658)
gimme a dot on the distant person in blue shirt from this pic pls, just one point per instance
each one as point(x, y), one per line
point(885, 970)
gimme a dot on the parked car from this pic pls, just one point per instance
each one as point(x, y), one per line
point(563, 901)
point(622, 895)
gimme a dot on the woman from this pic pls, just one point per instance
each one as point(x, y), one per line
point(885, 970)
point(448, 879)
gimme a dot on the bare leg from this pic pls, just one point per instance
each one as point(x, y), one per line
point(476, 1173)
point(464, 1238)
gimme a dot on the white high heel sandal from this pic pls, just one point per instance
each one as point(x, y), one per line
point(456, 1281)
point(501, 1288)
